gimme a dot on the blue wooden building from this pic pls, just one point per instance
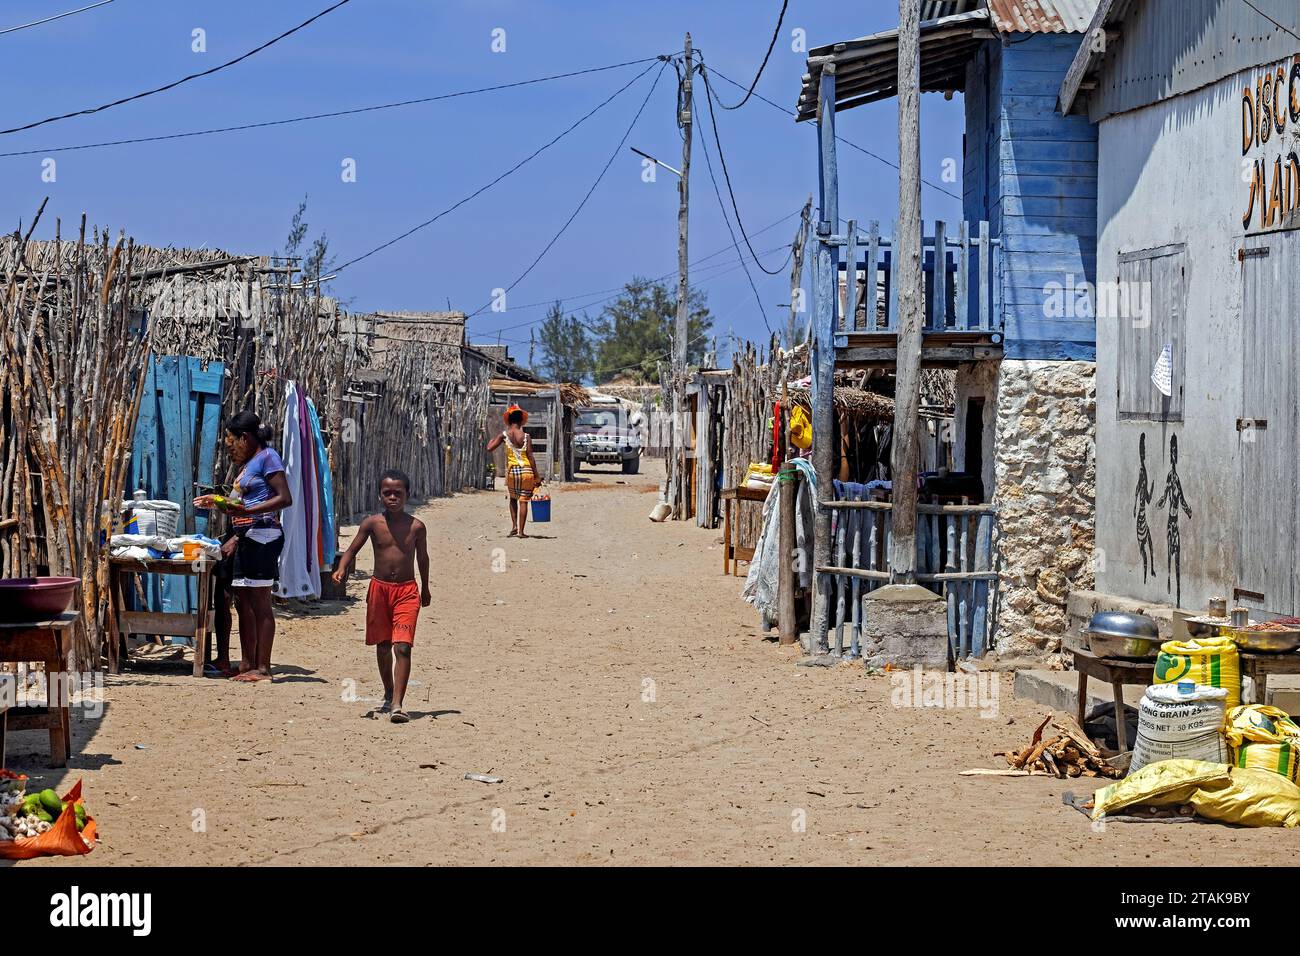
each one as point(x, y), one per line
point(1008, 298)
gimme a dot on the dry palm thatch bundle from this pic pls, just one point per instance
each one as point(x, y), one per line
point(73, 349)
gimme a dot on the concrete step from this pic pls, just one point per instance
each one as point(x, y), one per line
point(1059, 690)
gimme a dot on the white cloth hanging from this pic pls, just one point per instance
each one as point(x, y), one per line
point(295, 580)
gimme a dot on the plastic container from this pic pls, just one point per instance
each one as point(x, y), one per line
point(542, 508)
point(191, 550)
point(35, 599)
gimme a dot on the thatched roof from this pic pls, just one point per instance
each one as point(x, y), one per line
point(858, 402)
point(570, 393)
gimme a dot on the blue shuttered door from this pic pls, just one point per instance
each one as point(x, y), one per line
point(175, 449)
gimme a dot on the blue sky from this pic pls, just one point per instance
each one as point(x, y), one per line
point(237, 191)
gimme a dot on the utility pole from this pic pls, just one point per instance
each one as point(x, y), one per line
point(792, 337)
point(683, 290)
point(907, 247)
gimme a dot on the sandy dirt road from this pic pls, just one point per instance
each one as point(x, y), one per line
point(613, 678)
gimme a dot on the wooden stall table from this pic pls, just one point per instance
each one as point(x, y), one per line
point(1258, 666)
point(49, 642)
point(158, 623)
point(732, 555)
point(1115, 672)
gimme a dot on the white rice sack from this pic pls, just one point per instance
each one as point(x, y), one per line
point(1174, 726)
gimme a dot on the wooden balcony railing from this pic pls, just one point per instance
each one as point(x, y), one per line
point(962, 291)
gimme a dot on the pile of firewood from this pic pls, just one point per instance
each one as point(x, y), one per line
point(1067, 753)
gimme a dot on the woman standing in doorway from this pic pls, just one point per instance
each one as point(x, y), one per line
point(252, 548)
point(522, 476)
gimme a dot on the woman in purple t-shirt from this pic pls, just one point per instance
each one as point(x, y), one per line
point(251, 549)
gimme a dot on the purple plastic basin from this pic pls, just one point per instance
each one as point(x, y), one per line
point(34, 599)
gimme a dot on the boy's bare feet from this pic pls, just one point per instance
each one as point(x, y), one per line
point(399, 717)
point(522, 535)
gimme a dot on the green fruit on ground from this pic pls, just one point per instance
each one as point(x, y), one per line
point(80, 812)
point(44, 817)
point(51, 802)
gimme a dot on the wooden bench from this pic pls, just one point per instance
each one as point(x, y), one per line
point(50, 643)
point(733, 554)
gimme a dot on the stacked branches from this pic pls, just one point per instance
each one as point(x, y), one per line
point(73, 349)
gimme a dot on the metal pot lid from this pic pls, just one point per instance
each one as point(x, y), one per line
point(1123, 624)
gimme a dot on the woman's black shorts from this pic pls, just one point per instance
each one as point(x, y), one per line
point(254, 563)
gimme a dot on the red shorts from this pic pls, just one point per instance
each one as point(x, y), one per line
point(391, 611)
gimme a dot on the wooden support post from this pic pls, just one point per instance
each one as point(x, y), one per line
point(788, 482)
point(911, 311)
point(792, 332)
point(825, 296)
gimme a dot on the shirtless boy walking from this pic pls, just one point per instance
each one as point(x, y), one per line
point(392, 603)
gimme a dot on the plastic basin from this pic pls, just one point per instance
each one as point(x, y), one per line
point(34, 599)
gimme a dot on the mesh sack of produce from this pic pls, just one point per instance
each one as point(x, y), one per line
point(1264, 738)
point(1166, 783)
point(1173, 725)
point(1209, 661)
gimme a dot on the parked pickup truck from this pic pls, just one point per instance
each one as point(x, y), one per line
point(604, 436)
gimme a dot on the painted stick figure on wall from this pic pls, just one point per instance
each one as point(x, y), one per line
point(1176, 500)
point(1146, 490)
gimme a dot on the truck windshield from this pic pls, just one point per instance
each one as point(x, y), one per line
point(598, 419)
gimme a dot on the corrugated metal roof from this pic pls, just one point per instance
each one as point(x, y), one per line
point(867, 68)
point(1020, 16)
point(1042, 16)
point(1160, 49)
point(951, 31)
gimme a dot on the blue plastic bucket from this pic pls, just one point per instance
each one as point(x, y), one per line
point(541, 509)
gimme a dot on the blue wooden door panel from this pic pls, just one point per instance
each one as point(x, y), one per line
point(175, 450)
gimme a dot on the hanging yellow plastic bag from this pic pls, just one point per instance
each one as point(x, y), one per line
point(1161, 784)
point(800, 428)
point(1211, 661)
point(1264, 738)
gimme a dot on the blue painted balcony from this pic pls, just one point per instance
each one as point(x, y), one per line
point(961, 295)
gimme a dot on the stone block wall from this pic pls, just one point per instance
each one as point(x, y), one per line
point(1045, 488)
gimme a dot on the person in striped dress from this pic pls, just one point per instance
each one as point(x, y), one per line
point(522, 475)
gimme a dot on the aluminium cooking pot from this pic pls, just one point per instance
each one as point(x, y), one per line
point(1123, 634)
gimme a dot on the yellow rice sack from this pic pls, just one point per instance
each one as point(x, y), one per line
point(1161, 784)
point(1245, 796)
point(1264, 738)
point(1211, 661)
point(1253, 798)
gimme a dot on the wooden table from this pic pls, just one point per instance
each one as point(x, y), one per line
point(1115, 672)
point(1259, 666)
point(122, 622)
point(50, 643)
point(732, 555)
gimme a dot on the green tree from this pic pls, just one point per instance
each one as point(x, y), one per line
point(318, 261)
point(566, 347)
point(636, 330)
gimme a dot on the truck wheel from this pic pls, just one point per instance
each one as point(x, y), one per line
point(632, 466)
